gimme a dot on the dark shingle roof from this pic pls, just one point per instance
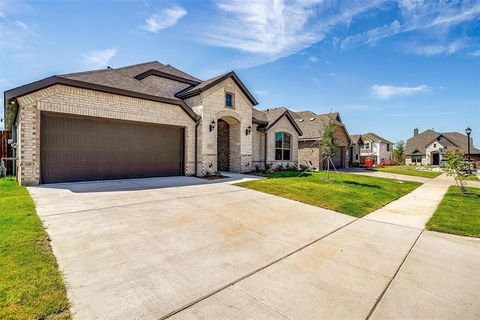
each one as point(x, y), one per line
point(115, 79)
point(374, 137)
point(453, 141)
point(136, 69)
point(310, 123)
point(355, 138)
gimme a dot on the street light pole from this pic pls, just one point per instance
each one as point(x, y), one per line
point(468, 131)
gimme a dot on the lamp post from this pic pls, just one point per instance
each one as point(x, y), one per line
point(468, 131)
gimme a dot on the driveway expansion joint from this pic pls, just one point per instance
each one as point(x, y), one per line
point(188, 305)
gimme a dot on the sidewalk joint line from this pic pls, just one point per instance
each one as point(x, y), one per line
point(380, 298)
point(188, 305)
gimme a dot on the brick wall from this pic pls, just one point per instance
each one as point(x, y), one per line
point(309, 154)
point(258, 148)
point(211, 107)
point(70, 100)
point(283, 125)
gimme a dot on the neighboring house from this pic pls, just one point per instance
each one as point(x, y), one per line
point(356, 145)
point(311, 125)
point(375, 147)
point(430, 147)
point(143, 120)
point(309, 153)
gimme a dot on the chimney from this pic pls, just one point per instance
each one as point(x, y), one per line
point(415, 132)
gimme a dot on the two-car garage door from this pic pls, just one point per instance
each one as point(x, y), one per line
point(85, 148)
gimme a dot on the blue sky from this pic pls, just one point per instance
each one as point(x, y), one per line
point(387, 67)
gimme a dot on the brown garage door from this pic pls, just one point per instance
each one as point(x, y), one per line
point(84, 148)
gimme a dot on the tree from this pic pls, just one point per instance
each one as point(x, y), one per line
point(327, 143)
point(457, 167)
point(398, 152)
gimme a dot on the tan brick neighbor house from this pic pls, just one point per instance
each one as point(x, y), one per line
point(143, 120)
point(429, 147)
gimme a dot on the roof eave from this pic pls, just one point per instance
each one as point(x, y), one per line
point(157, 73)
point(232, 75)
point(53, 80)
point(290, 118)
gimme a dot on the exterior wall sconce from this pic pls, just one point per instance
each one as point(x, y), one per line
point(248, 130)
point(212, 126)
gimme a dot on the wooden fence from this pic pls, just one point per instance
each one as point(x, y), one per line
point(6, 150)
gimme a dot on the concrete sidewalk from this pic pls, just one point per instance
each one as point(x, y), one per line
point(415, 208)
point(366, 269)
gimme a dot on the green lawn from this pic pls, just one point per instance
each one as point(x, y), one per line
point(472, 178)
point(457, 214)
point(409, 171)
point(357, 196)
point(31, 286)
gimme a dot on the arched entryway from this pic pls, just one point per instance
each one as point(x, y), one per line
point(228, 144)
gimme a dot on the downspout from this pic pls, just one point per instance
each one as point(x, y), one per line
point(265, 151)
point(197, 123)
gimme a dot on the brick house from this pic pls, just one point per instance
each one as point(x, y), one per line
point(311, 127)
point(143, 120)
point(429, 147)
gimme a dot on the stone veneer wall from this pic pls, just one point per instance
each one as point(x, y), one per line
point(283, 125)
point(211, 107)
point(70, 100)
point(258, 148)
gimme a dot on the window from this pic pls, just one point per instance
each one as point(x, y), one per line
point(434, 145)
point(388, 146)
point(228, 100)
point(282, 146)
point(356, 156)
point(417, 158)
point(366, 145)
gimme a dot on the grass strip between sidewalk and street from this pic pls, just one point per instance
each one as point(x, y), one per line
point(31, 286)
point(409, 171)
point(458, 214)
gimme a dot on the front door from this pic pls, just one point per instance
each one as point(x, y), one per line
point(435, 159)
point(223, 146)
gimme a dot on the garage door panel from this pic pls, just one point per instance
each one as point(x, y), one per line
point(77, 149)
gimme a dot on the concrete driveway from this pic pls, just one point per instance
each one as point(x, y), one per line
point(184, 248)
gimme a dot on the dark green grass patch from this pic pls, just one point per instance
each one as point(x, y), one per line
point(31, 286)
point(458, 214)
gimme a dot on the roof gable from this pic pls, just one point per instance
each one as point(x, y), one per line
point(290, 118)
point(205, 85)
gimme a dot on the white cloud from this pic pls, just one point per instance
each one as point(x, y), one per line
point(385, 92)
point(277, 28)
point(435, 49)
point(332, 74)
point(100, 58)
point(166, 18)
point(435, 19)
point(261, 92)
point(313, 59)
point(475, 53)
